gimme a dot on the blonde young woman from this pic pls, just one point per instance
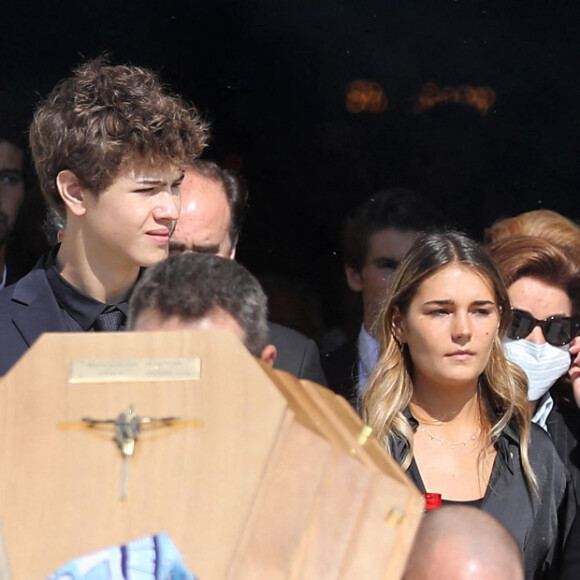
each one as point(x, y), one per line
point(452, 410)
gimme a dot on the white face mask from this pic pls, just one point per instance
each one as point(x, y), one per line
point(543, 364)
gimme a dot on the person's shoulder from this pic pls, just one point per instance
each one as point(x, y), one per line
point(33, 282)
point(541, 445)
point(282, 334)
point(540, 439)
point(30, 296)
point(541, 448)
point(7, 293)
point(544, 456)
point(297, 354)
point(564, 418)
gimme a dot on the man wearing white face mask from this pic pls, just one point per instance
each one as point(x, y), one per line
point(544, 291)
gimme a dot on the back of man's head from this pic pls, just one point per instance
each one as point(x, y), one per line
point(103, 116)
point(193, 286)
point(463, 543)
point(397, 208)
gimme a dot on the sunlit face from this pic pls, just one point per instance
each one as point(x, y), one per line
point(129, 224)
point(11, 188)
point(449, 328)
point(541, 300)
point(204, 222)
point(386, 248)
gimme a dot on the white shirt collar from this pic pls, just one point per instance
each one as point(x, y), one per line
point(545, 405)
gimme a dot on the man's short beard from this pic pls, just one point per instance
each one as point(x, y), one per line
point(5, 228)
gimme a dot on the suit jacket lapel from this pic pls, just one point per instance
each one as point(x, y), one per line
point(39, 311)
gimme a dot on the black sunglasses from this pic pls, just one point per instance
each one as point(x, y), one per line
point(558, 330)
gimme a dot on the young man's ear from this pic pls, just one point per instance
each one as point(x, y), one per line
point(398, 326)
point(353, 279)
point(269, 354)
point(71, 192)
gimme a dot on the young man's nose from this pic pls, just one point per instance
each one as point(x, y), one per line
point(168, 206)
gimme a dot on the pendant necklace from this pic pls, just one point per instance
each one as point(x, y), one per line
point(444, 442)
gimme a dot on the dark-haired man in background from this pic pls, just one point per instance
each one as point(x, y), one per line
point(375, 238)
point(11, 197)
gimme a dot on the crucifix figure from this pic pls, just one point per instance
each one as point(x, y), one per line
point(127, 428)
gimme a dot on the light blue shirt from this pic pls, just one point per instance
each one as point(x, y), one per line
point(368, 352)
point(545, 405)
point(149, 558)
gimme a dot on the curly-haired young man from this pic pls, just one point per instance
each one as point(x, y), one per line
point(109, 145)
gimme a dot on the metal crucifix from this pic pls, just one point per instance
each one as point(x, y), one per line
point(128, 426)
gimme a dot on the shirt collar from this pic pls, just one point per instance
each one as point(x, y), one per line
point(507, 438)
point(545, 405)
point(368, 352)
point(80, 306)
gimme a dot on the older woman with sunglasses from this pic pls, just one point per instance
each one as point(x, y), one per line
point(544, 290)
point(557, 229)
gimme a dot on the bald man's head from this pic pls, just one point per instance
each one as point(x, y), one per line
point(213, 204)
point(463, 543)
point(204, 221)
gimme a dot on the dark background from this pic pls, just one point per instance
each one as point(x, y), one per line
point(272, 77)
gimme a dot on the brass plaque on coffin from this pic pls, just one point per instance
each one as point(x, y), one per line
point(135, 370)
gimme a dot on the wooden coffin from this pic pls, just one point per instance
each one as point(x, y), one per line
point(262, 475)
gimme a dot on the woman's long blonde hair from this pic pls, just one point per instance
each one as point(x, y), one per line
point(502, 385)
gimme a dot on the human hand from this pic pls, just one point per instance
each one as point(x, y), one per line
point(574, 370)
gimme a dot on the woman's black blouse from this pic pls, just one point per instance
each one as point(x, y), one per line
point(539, 523)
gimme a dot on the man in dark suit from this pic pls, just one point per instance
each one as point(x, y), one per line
point(109, 146)
point(11, 195)
point(213, 202)
point(375, 239)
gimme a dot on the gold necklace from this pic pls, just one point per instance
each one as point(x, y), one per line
point(444, 442)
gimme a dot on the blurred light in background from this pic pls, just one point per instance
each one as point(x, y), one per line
point(365, 96)
point(430, 95)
